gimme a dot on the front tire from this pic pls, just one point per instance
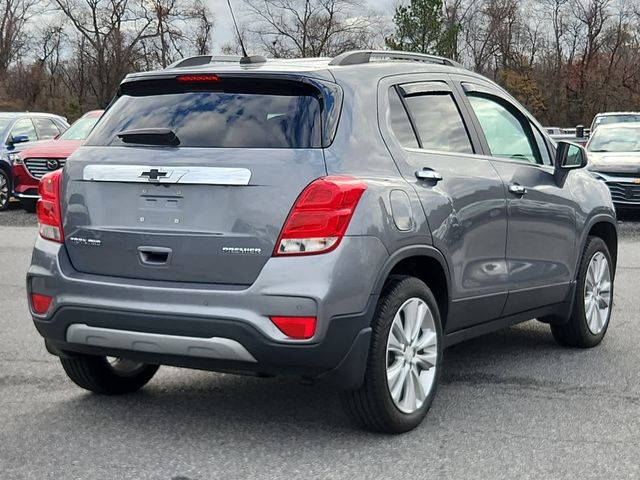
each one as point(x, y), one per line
point(593, 301)
point(5, 190)
point(107, 376)
point(403, 367)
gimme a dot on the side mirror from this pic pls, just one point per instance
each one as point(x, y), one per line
point(570, 156)
point(18, 139)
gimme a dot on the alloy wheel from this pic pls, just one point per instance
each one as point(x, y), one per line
point(4, 189)
point(412, 354)
point(597, 293)
point(125, 367)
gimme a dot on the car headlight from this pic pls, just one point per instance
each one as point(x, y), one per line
point(14, 158)
point(598, 176)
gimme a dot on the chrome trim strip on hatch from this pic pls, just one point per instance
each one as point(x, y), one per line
point(215, 347)
point(172, 175)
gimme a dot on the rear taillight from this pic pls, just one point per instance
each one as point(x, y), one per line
point(320, 216)
point(48, 210)
point(40, 303)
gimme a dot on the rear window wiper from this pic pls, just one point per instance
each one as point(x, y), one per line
point(150, 136)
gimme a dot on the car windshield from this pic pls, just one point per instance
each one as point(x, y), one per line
point(80, 129)
point(625, 139)
point(4, 123)
point(623, 118)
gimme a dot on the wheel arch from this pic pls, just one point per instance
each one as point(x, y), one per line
point(6, 167)
point(603, 227)
point(425, 263)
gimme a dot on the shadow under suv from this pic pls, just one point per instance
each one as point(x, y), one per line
point(338, 219)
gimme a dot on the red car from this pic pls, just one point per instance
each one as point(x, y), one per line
point(32, 163)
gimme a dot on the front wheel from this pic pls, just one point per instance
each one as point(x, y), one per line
point(106, 375)
point(593, 302)
point(404, 360)
point(5, 190)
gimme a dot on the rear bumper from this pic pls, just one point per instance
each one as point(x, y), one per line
point(213, 344)
point(186, 321)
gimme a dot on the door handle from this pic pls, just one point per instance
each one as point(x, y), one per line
point(517, 189)
point(428, 174)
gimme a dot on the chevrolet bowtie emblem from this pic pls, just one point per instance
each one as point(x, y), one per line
point(153, 174)
point(637, 181)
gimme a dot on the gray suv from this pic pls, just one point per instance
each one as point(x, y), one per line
point(343, 220)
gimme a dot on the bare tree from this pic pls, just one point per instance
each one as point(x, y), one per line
point(308, 28)
point(14, 15)
point(181, 26)
point(119, 36)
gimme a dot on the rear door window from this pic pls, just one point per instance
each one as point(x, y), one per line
point(436, 118)
point(229, 115)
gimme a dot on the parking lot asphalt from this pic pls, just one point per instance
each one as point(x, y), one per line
point(512, 404)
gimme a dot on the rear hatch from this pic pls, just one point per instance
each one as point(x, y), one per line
point(191, 180)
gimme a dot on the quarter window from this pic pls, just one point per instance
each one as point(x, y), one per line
point(507, 135)
point(438, 122)
point(400, 123)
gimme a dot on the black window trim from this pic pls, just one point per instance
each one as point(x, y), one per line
point(426, 87)
point(409, 116)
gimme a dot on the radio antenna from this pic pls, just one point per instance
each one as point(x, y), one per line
point(233, 17)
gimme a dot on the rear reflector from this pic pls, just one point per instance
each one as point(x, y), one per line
point(48, 209)
point(300, 328)
point(320, 217)
point(40, 303)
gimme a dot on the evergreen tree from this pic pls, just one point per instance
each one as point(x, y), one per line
point(422, 27)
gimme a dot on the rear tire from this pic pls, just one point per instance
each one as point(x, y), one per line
point(587, 324)
point(99, 375)
point(384, 402)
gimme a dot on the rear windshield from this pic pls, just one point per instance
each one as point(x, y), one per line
point(225, 116)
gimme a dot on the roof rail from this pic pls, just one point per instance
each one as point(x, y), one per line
point(356, 57)
point(203, 60)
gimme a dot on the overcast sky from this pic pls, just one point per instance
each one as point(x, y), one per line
point(223, 28)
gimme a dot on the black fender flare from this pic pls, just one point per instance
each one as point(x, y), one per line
point(597, 218)
point(412, 251)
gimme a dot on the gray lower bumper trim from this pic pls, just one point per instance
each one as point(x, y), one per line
point(214, 347)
